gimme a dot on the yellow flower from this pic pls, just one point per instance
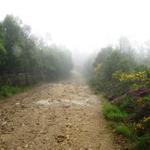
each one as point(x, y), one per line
point(146, 119)
point(132, 76)
point(140, 101)
point(139, 126)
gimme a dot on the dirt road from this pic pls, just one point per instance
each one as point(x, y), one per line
point(54, 116)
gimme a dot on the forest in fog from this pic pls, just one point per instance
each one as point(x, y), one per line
point(25, 58)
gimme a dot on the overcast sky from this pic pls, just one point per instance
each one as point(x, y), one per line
point(83, 25)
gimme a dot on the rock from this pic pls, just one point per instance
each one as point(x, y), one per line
point(19, 148)
point(60, 138)
point(4, 123)
point(17, 103)
point(26, 146)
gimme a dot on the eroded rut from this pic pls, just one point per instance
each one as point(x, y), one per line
point(55, 116)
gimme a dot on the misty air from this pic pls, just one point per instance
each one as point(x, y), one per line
point(75, 75)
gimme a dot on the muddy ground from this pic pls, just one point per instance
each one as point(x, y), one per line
point(57, 116)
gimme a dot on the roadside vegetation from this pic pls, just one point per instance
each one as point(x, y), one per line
point(122, 75)
point(26, 59)
point(6, 91)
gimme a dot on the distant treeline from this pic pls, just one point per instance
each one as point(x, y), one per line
point(26, 57)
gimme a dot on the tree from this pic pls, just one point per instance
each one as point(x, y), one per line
point(21, 52)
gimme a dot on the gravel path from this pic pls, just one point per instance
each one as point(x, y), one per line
point(54, 116)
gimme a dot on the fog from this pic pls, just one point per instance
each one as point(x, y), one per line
point(69, 62)
point(83, 26)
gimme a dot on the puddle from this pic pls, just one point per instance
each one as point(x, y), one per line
point(48, 102)
point(82, 103)
point(43, 102)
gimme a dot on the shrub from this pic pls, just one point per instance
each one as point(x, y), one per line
point(124, 130)
point(127, 104)
point(113, 113)
point(6, 91)
point(143, 142)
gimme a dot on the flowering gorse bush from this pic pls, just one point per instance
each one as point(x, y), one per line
point(136, 79)
point(142, 127)
point(141, 76)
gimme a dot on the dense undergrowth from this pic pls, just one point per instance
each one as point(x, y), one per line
point(6, 91)
point(125, 83)
point(9, 90)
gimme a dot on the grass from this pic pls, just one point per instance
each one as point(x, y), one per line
point(124, 130)
point(117, 117)
point(7, 90)
point(112, 112)
point(143, 142)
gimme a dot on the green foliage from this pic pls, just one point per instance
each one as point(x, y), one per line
point(116, 61)
point(87, 69)
point(113, 113)
point(147, 98)
point(143, 142)
point(22, 52)
point(124, 130)
point(103, 55)
point(107, 62)
point(6, 91)
point(126, 83)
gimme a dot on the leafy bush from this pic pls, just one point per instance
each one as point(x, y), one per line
point(107, 63)
point(125, 103)
point(135, 79)
point(143, 142)
point(113, 113)
point(6, 91)
point(124, 130)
